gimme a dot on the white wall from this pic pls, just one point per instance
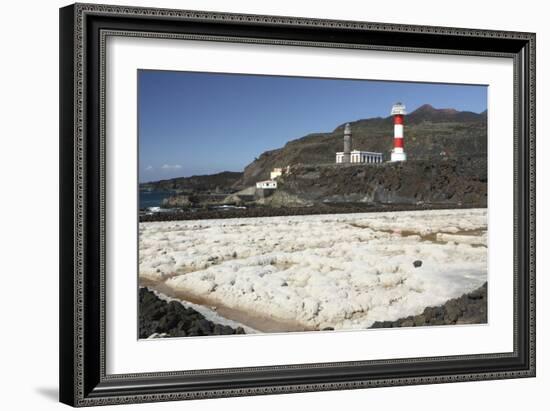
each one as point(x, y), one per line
point(29, 207)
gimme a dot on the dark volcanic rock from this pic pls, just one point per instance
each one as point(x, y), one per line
point(470, 308)
point(461, 181)
point(417, 263)
point(321, 208)
point(173, 319)
point(177, 201)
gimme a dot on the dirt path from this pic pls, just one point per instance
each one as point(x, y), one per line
point(266, 324)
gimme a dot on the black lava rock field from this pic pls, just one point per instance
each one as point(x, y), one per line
point(172, 319)
point(470, 308)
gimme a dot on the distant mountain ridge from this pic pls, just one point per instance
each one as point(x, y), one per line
point(200, 183)
point(430, 134)
point(427, 112)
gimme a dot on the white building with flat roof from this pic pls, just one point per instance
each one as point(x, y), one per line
point(267, 184)
point(357, 156)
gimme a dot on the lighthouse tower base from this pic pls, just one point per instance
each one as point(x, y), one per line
point(398, 156)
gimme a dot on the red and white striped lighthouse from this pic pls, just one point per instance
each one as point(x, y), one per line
point(398, 112)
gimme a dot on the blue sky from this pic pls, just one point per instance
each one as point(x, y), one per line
point(204, 123)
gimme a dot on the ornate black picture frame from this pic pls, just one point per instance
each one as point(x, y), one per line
point(83, 30)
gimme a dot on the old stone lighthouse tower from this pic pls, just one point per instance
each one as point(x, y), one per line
point(347, 144)
point(355, 156)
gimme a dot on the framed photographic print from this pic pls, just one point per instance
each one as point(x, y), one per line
point(261, 204)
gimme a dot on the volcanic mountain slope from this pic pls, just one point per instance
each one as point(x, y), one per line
point(430, 134)
point(460, 181)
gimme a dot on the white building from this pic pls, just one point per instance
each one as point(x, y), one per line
point(267, 184)
point(277, 172)
point(357, 156)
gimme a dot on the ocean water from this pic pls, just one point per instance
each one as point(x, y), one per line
point(152, 198)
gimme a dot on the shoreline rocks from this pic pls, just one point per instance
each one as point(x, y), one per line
point(158, 318)
point(470, 308)
point(176, 201)
point(264, 211)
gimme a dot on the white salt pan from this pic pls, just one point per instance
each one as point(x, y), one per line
point(341, 271)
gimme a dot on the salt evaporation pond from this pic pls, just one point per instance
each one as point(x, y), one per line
point(340, 271)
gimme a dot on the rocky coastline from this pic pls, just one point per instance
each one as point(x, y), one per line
point(326, 208)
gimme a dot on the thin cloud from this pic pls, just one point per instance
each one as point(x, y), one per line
point(148, 168)
point(170, 166)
